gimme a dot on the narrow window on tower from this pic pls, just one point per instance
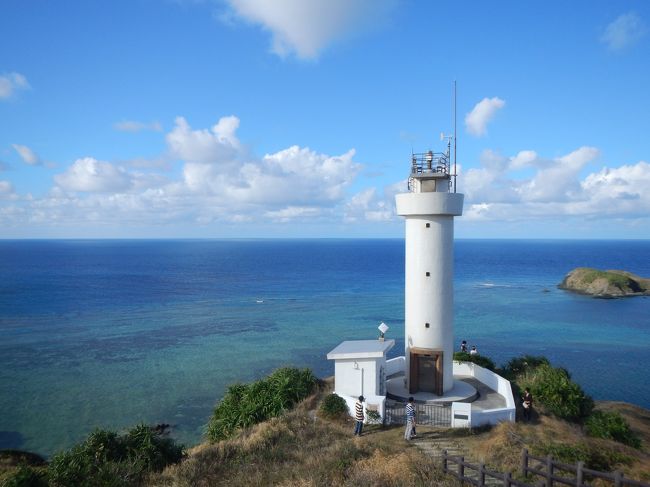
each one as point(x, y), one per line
point(426, 325)
point(428, 274)
point(428, 225)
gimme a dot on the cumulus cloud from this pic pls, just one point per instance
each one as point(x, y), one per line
point(625, 31)
point(90, 175)
point(27, 155)
point(135, 126)
point(220, 181)
point(476, 121)
point(370, 205)
point(10, 83)
point(218, 144)
point(305, 28)
point(557, 188)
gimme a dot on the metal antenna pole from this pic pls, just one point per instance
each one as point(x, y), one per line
point(454, 136)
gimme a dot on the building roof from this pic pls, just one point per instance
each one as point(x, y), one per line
point(361, 349)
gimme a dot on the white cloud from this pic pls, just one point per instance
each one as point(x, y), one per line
point(90, 175)
point(6, 190)
point(292, 213)
point(27, 155)
point(476, 121)
point(557, 189)
point(216, 145)
point(221, 181)
point(368, 205)
point(618, 190)
point(524, 158)
point(10, 83)
point(625, 31)
point(135, 126)
point(307, 27)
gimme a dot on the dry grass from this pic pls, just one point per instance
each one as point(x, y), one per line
point(501, 446)
point(299, 449)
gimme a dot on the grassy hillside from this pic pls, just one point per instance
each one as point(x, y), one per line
point(301, 448)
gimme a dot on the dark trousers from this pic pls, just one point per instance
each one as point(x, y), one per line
point(358, 427)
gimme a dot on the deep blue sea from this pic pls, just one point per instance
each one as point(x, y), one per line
point(109, 333)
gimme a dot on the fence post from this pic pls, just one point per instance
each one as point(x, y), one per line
point(524, 462)
point(507, 477)
point(444, 461)
point(618, 479)
point(579, 473)
point(461, 468)
point(481, 475)
point(549, 471)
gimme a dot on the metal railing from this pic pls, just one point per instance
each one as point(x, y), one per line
point(425, 414)
point(430, 162)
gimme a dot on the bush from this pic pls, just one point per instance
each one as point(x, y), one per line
point(373, 417)
point(334, 406)
point(481, 360)
point(521, 365)
point(26, 476)
point(612, 426)
point(553, 388)
point(108, 459)
point(595, 458)
point(247, 404)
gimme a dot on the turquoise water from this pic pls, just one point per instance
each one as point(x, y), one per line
point(111, 333)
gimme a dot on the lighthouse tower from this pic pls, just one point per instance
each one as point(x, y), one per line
point(429, 209)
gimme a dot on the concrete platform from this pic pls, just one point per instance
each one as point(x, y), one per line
point(461, 392)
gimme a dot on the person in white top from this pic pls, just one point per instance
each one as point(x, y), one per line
point(473, 351)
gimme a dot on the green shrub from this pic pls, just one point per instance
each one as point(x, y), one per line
point(108, 459)
point(481, 360)
point(373, 417)
point(595, 458)
point(612, 426)
point(334, 406)
point(553, 388)
point(520, 365)
point(26, 476)
point(248, 404)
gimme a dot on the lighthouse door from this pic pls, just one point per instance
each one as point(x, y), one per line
point(426, 373)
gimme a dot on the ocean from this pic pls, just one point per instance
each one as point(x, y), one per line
point(110, 333)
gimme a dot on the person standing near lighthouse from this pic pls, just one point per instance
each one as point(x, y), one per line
point(410, 420)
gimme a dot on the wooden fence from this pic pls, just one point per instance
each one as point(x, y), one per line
point(478, 475)
point(572, 475)
point(544, 467)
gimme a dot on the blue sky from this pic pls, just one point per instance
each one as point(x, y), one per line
point(296, 118)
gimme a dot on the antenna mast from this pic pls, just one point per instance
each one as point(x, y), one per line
point(454, 136)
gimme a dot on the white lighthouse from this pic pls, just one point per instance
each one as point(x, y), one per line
point(429, 209)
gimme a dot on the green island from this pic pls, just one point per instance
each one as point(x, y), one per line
point(289, 429)
point(605, 284)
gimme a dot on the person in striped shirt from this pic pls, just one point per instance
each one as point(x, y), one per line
point(359, 416)
point(410, 419)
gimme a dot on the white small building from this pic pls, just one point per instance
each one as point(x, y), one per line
point(360, 370)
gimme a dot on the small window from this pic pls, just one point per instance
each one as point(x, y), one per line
point(428, 225)
point(426, 325)
point(428, 274)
